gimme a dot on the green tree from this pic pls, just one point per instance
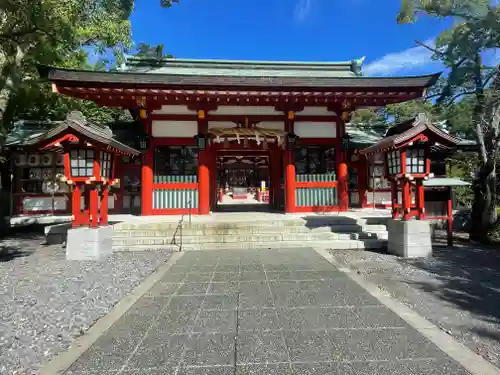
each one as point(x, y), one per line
point(370, 118)
point(380, 119)
point(463, 48)
point(53, 32)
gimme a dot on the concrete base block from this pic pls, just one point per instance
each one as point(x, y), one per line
point(56, 234)
point(89, 243)
point(409, 239)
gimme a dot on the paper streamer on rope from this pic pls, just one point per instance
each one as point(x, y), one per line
point(256, 133)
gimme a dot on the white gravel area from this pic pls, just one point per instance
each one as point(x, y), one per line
point(46, 302)
point(457, 289)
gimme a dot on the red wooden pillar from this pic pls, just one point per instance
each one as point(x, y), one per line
point(342, 180)
point(104, 206)
point(94, 193)
point(405, 188)
point(204, 167)
point(76, 197)
point(420, 199)
point(290, 183)
point(147, 171)
point(147, 182)
point(204, 182)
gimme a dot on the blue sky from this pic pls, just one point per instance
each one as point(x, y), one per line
point(303, 30)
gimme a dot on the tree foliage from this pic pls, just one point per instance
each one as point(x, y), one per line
point(382, 118)
point(60, 33)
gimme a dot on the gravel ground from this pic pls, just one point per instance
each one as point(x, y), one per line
point(457, 289)
point(46, 302)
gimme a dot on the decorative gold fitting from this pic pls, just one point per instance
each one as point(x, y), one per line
point(346, 116)
point(291, 115)
point(201, 114)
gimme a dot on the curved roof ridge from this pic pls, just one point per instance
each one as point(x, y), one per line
point(244, 62)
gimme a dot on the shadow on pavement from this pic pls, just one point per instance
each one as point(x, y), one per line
point(469, 279)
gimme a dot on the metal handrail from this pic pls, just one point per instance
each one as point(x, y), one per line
point(179, 225)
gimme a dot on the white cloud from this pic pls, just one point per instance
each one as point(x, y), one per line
point(302, 10)
point(413, 58)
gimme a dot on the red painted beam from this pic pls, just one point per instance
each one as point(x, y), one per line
point(121, 99)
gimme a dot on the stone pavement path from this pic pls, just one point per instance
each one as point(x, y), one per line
point(260, 312)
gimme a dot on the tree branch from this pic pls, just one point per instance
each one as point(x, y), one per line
point(449, 13)
point(16, 34)
point(478, 111)
point(442, 54)
point(454, 97)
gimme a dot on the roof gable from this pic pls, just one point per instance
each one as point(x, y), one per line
point(76, 122)
point(408, 130)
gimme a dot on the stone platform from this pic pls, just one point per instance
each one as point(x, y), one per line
point(262, 230)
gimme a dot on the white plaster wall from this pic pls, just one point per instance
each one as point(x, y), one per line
point(221, 124)
point(274, 125)
point(315, 111)
point(246, 110)
point(43, 203)
point(315, 129)
point(173, 110)
point(174, 129)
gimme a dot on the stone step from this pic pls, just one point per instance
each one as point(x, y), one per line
point(248, 230)
point(372, 244)
point(278, 237)
point(314, 222)
point(188, 230)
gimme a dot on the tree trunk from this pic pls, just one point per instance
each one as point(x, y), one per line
point(12, 71)
point(12, 79)
point(487, 119)
point(484, 216)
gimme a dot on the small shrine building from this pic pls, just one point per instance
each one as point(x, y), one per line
point(212, 130)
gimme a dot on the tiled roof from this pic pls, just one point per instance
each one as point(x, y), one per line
point(262, 82)
point(248, 68)
point(444, 181)
point(77, 121)
point(24, 130)
point(410, 129)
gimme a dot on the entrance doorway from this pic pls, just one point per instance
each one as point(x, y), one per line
point(243, 182)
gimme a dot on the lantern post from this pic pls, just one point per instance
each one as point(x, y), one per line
point(406, 150)
point(89, 152)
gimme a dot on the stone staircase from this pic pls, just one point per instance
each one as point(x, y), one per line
point(332, 232)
